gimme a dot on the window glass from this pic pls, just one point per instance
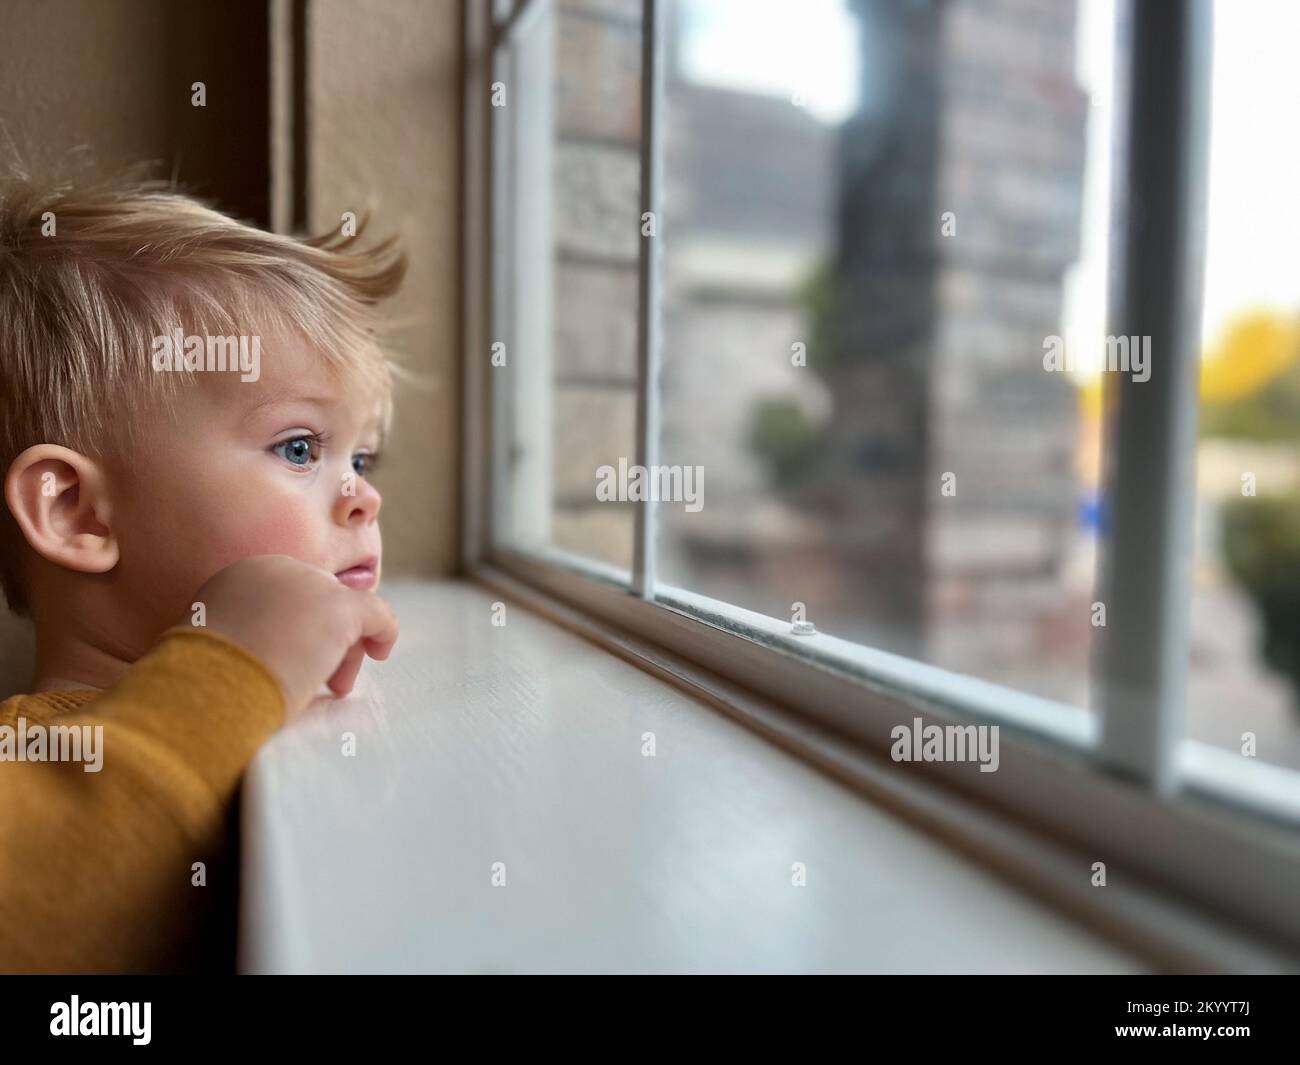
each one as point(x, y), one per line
point(881, 219)
point(1244, 688)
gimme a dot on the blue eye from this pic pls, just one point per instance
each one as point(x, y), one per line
point(299, 451)
point(363, 464)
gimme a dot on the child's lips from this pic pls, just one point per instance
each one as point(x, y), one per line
point(364, 575)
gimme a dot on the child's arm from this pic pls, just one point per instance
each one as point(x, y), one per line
point(98, 868)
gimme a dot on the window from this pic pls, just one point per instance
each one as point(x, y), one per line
point(857, 287)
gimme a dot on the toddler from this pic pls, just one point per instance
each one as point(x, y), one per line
point(190, 410)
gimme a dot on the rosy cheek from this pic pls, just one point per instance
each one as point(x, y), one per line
point(267, 527)
point(281, 530)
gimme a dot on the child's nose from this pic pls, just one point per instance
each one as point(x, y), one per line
point(358, 503)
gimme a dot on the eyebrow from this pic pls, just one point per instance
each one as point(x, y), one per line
point(283, 399)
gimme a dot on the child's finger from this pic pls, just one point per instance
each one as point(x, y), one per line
point(346, 675)
point(378, 627)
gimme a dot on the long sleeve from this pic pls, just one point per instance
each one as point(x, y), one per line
point(97, 869)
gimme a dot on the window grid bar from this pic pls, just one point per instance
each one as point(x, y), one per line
point(1151, 457)
point(513, 24)
point(647, 408)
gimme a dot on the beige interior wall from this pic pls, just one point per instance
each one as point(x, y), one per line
point(384, 124)
point(76, 73)
point(384, 108)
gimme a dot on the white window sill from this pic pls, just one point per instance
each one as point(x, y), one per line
point(522, 745)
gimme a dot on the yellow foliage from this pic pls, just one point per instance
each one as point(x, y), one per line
point(1090, 396)
point(1254, 349)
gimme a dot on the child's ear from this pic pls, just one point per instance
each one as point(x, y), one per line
point(59, 499)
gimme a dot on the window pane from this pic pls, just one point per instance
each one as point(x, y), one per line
point(1245, 658)
point(878, 215)
point(568, 196)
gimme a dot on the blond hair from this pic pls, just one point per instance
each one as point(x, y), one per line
point(89, 275)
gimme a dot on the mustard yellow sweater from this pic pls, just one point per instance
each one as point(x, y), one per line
point(98, 869)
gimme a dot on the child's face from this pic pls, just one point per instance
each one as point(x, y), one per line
point(275, 466)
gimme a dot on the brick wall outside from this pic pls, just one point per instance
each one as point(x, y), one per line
point(942, 337)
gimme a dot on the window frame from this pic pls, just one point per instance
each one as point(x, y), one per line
point(1108, 783)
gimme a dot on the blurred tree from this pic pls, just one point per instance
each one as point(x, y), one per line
point(1261, 546)
point(1250, 390)
point(1250, 384)
point(788, 444)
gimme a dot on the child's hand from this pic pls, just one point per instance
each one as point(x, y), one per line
point(306, 627)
